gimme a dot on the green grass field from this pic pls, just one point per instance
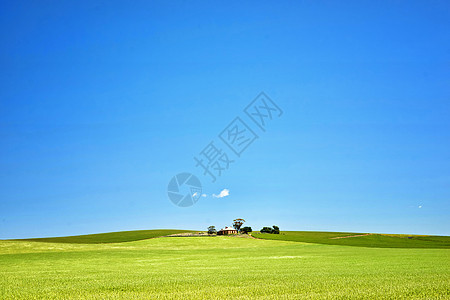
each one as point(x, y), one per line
point(110, 237)
point(219, 268)
point(372, 240)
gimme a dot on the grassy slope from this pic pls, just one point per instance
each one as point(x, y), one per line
point(219, 268)
point(374, 240)
point(110, 237)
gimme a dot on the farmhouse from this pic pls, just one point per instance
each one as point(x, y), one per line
point(226, 231)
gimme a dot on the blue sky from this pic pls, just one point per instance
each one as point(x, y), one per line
point(101, 103)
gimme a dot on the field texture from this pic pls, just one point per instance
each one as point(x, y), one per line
point(110, 237)
point(219, 268)
point(360, 239)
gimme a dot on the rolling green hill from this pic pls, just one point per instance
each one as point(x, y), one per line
point(360, 239)
point(317, 237)
point(219, 267)
point(109, 237)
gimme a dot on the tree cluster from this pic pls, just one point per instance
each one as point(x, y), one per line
point(273, 230)
point(237, 224)
point(246, 229)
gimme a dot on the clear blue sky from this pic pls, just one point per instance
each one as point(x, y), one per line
point(101, 103)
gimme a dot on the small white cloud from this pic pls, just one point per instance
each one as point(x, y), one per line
point(223, 193)
point(420, 206)
point(204, 195)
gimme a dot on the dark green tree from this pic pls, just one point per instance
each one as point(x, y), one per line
point(212, 230)
point(246, 229)
point(266, 230)
point(276, 229)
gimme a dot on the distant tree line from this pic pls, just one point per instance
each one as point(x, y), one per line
point(273, 230)
point(237, 224)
